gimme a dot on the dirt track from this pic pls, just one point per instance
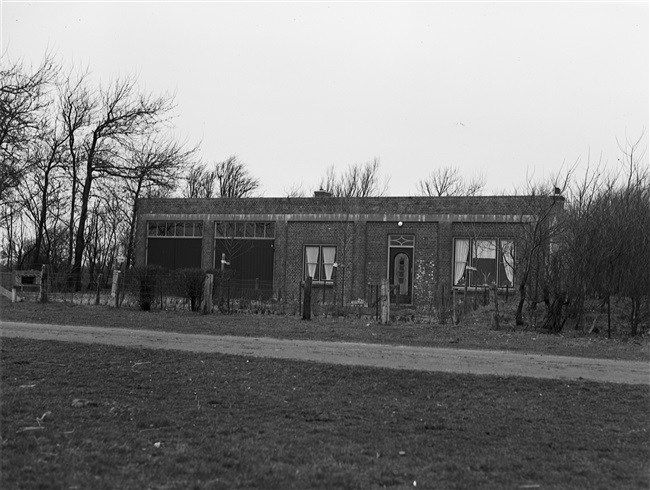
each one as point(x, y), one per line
point(501, 363)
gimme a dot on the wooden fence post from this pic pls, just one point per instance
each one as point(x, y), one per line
point(115, 289)
point(99, 287)
point(385, 302)
point(42, 296)
point(207, 293)
point(306, 304)
point(454, 306)
point(495, 310)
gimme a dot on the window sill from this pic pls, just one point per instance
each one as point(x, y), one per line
point(319, 284)
point(482, 288)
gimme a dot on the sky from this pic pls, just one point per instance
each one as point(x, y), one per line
point(510, 91)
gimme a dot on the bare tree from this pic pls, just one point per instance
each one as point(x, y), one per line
point(447, 181)
point(41, 192)
point(359, 180)
point(118, 114)
point(75, 107)
point(541, 223)
point(294, 191)
point(152, 165)
point(629, 210)
point(234, 179)
point(604, 249)
point(23, 100)
point(199, 182)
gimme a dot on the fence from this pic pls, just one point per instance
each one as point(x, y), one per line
point(184, 290)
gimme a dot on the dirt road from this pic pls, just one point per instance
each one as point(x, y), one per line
point(501, 363)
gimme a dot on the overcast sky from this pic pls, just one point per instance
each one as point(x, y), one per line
point(502, 89)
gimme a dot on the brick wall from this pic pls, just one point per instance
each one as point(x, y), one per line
point(499, 205)
point(365, 224)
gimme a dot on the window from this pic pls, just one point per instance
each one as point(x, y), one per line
point(401, 241)
point(178, 229)
point(479, 262)
point(174, 244)
point(319, 262)
point(244, 229)
point(248, 251)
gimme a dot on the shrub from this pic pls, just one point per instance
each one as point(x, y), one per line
point(190, 284)
point(147, 279)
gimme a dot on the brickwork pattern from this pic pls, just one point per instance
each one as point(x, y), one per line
point(434, 222)
point(425, 252)
point(499, 205)
point(302, 233)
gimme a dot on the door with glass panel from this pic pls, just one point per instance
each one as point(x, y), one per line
point(400, 268)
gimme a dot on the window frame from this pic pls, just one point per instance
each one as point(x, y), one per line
point(195, 230)
point(244, 230)
point(320, 263)
point(501, 267)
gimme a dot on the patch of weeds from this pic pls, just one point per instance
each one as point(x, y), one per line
point(183, 420)
point(473, 333)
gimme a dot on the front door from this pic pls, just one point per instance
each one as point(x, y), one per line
point(400, 274)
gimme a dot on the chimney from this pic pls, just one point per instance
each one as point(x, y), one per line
point(322, 193)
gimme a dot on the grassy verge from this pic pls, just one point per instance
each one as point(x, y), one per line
point(473, 333)
point(111, 417)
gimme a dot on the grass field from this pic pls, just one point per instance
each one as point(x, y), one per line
point(472, 333)
point(91, 416)
point(79, 416)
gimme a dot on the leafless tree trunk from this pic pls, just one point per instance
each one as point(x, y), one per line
point(199, 182)
point(357, 181)
point(234, 179)
point(153, 165)
point(23, 102)
point(75, 106)
point(119, 115)
point(447, 181)
point(541, 224)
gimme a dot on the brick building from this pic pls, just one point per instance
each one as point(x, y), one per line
point(420, 244)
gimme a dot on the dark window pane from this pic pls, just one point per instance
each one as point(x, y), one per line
point(259, 230)
point(162, 229)
point(270, 230)
point(219, 229)
point(239, 229)
point(160, 252)
point(187, 253)
point(251, 264)
point(152, 228)
point(486, 272)
point(250, 230)
point(170, 229)
point(180, 229)
point(198, 229)
point(230, 229)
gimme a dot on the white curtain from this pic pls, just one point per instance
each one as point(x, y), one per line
point(312, 260)
point(462, 249)
point(508, 253)
point(329, 257)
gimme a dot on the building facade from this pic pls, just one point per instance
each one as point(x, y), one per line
point(422, 245)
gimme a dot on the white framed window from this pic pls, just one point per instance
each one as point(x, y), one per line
point(175, 229)
point(319, 262)
point(480, 262)
point(244, 229)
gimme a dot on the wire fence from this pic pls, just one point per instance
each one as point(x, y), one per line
point(185, 289)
